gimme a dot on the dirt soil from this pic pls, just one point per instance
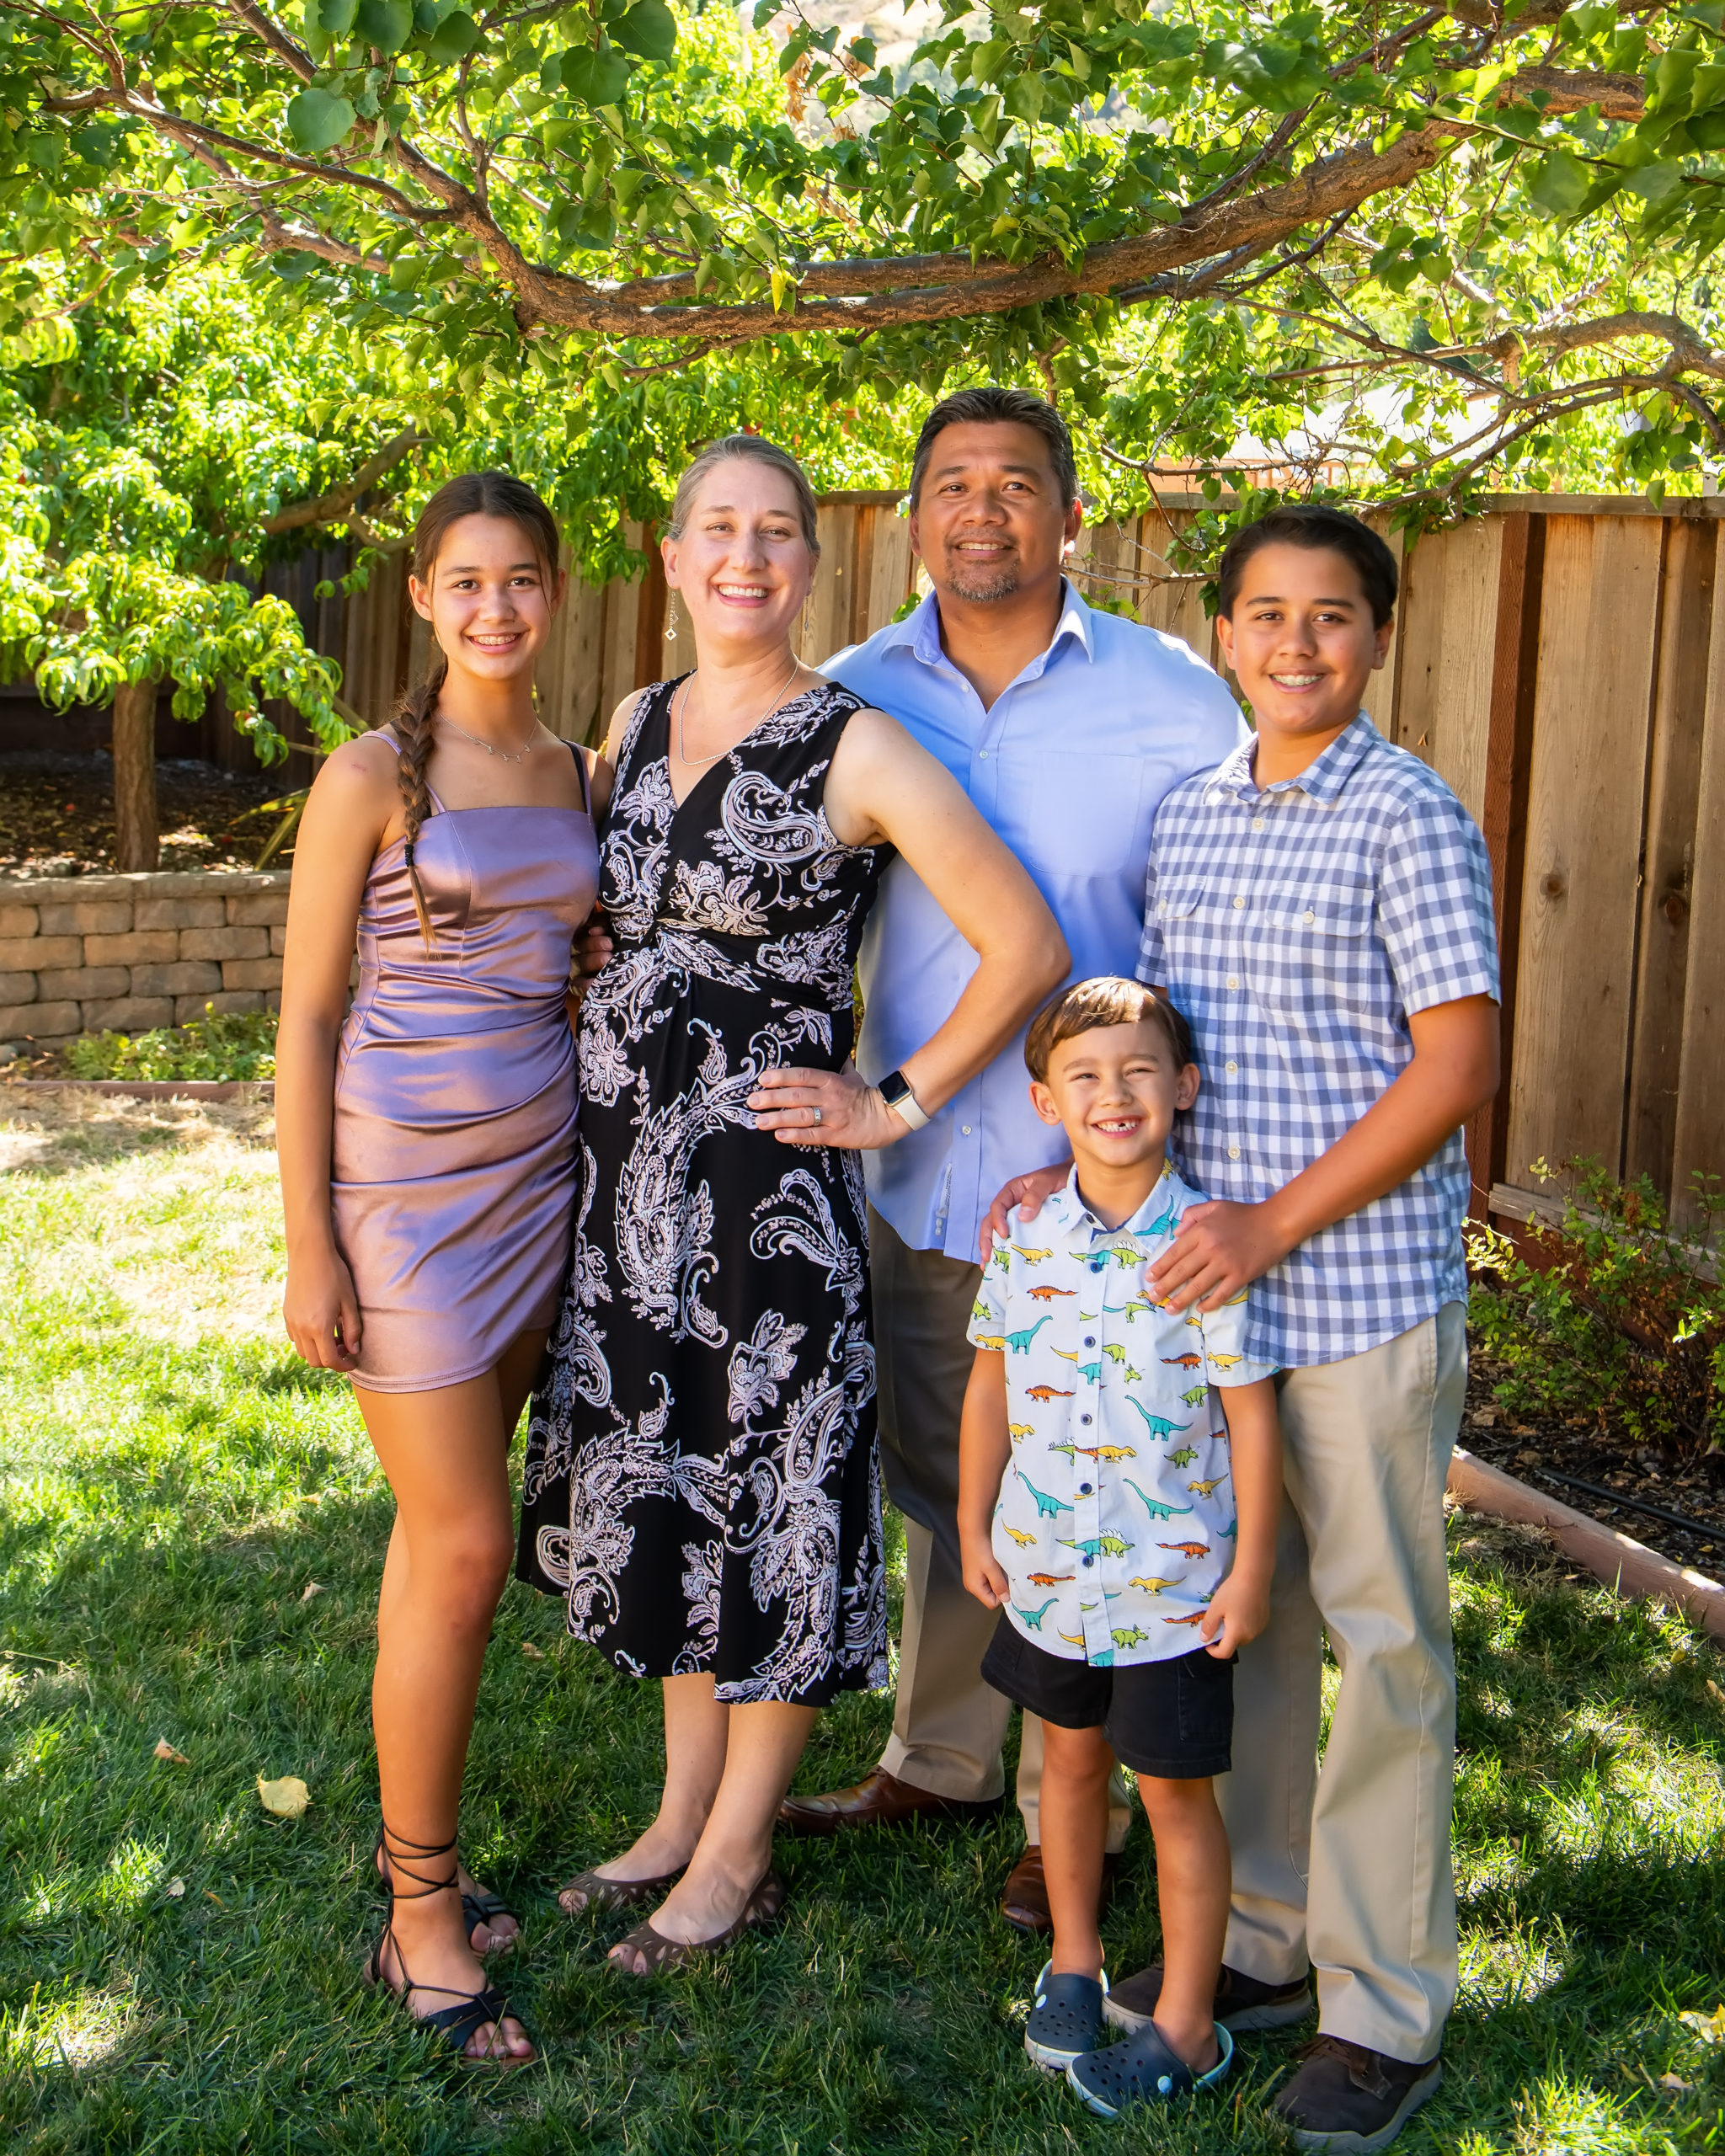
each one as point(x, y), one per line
point(56, 816)
point(1539, 1449)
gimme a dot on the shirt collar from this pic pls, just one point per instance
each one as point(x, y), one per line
point(1080, 1226)
point(1322, 780)
point(920, 633)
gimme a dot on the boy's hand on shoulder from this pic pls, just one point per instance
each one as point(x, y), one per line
point(1238, 1611)
point(983, 1576)
point(1222, 1247)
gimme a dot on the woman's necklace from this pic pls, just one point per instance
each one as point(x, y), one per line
point(521, 755)
point(695, 762)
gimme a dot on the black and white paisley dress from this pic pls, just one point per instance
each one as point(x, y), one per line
point(701, 1483)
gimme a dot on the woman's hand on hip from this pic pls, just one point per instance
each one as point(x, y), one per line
point(322, 1312)
point(824, 1107)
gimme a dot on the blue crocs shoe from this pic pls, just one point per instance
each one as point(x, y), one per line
point(1066, 2019)
point(1143, 2070)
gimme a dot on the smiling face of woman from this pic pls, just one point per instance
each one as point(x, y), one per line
point(742, 565)
point(489, 598)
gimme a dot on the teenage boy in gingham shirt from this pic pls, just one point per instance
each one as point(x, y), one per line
point(1320, 908)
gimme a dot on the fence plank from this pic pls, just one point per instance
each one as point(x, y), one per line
point(889, 580)
point(1699, 1140)
point(1448, 616)
point(1673, 774)
point(1381, 703)
point(1591, 704)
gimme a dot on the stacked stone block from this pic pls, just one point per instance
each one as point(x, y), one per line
point(90, 954)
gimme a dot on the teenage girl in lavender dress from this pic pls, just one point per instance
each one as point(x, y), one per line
point(428, 1152)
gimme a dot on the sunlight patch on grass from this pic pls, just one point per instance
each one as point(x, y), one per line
point(78, 2031)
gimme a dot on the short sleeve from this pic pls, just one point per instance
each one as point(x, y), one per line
point(1152, 957)
point(1221, 1334)
point(988, 1313)
point(1435, 904)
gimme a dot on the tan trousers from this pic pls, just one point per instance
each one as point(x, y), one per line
point(947, 1725)
point(1350, 1865)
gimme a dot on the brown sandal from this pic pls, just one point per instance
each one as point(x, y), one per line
point(645, 1952)
point(592, 1890)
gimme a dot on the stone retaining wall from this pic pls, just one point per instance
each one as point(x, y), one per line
point(85, 954)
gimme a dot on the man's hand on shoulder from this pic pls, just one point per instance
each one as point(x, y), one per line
point(1028, 1193)
point(1221, 1247)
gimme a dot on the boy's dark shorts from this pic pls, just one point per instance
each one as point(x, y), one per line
point(1172, 1719)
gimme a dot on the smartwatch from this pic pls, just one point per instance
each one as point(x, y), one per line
point(895, 1089)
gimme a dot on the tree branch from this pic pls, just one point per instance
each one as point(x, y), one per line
point(335, 508)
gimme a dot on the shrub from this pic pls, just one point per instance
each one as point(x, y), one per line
point(218, 1045)
point(1614, 1319)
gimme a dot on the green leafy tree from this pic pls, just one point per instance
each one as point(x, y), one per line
point(1434, 245)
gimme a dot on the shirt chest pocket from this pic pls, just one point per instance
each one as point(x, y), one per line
point(1070, 815)
point(1308, 940)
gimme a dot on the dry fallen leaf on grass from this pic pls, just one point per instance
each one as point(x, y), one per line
point(532, 1654)
point(311, 1587)
point(175, 1889)
point(1714, 1692)
point(1709, 2027)
point(286, 1798)
point(164, 1750)
point(1675, 2082)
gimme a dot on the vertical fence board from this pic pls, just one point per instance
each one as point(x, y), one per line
point(889, 580)
point(1382, 700)
point(1699, 1141)
point(1450, 618)
point(1593, 694)
point(1673, 776)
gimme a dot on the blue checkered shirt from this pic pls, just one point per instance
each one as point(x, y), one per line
point(1298, 926)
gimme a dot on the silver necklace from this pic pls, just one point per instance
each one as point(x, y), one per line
point(695, 762)
point(478, 739)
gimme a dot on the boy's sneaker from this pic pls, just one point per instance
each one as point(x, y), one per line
point(1348, 2099)
point(1066, 2018)
point(1243, 2004)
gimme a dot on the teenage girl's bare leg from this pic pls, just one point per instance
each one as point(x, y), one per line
point(445, 1453)
point(514, 1377)
point(755, 1749)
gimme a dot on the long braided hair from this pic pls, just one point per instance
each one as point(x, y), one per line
point(471, 494)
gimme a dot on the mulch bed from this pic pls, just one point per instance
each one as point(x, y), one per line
point(1551, 1455)
point(56, 816)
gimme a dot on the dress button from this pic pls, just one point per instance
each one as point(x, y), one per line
point(1233, 1152)
point(1309, 916)
point(1084, 1489)
point(965, 1129)
point(1239, 901)
point(1089, 1561)
point(1231, 1068)
point(1257, 823)
point(1083, 1418)
point(1088, 1341)
point(1232, 983)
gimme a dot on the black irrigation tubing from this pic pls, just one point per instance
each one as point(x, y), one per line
point(1634, 1504)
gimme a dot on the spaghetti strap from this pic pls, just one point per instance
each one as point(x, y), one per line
point(574, 749)
point(388, 732)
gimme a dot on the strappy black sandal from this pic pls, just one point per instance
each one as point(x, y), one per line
point(477, 1908)
point(457, 2023)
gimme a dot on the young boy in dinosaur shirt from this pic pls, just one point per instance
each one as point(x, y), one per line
point(1119, 1480)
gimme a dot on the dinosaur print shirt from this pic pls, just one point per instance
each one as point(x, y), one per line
point(1116, 1519)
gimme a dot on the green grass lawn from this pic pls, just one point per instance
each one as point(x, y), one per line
point(180, 1970)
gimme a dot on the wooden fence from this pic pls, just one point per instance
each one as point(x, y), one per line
point(1559, 661)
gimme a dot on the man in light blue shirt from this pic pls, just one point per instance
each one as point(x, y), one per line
point(1066, 728)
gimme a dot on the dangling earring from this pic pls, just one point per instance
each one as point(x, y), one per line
point(672, 627)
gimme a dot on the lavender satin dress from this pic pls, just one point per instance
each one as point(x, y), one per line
point(455, 1147)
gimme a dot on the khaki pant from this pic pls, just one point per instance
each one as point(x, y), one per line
point(947, 1725)
point(1350, 1865)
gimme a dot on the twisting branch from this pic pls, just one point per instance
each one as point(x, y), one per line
point(336, 506)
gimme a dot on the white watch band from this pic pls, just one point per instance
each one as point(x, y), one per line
point(905, 1108)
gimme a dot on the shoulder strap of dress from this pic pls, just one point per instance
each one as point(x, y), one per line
point(389, 733)
point(632, 732)
point(574, 749)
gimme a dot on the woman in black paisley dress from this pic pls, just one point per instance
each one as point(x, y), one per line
point(701, 1485)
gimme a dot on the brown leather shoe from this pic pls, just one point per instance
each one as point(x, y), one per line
point(1025, 1901)
point(879, 1800)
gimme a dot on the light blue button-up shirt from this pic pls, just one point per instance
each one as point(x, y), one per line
point(1070, 766)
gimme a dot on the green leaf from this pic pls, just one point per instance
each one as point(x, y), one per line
point(650, 28)
point(1561, 185)
point(331, 18)
point(387, 24)
point(456, 36)
point(318, 119)
point(596, 78)
point(1026, 96)
point(1654, 183)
